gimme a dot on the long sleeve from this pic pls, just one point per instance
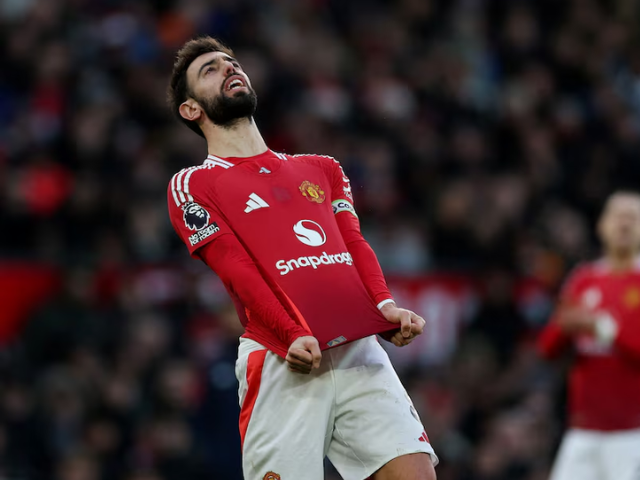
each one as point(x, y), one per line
point(204, 230)
point(627, 340)
point(364, 258)
point(229, 260)
point(552, 342)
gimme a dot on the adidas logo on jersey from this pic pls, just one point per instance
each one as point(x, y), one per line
point(254, 203)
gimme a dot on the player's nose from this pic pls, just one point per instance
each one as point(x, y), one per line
point(229, 69)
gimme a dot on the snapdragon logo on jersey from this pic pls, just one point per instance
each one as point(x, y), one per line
point(313, 261)
point(311, 233)
point(197, 218)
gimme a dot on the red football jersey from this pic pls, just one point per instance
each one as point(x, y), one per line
point(283, 211)
point(604, 382)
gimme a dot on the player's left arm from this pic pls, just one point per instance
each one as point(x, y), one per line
point(623, 334)
point(627, 339)
point(366, 262)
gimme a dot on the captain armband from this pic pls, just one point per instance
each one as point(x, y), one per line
point(343, 206)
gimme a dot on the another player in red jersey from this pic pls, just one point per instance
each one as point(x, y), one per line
point(599, 318)
point(282, 233)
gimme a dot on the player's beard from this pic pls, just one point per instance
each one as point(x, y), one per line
point(227, 110)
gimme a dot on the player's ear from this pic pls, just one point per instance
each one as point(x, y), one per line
point(190, 110)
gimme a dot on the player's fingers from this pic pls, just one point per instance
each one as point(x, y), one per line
point(296, 365)
point(407, 341)
point(296, 362)
point(417, 324)
point(314, 350)
point(299, 370)
point(405, 323)
point(301, 355)
point(400, 341)
point(317, 357)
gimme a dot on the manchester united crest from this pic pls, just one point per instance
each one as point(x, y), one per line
point(312, 192)
point(632, 298)
point(271, 476)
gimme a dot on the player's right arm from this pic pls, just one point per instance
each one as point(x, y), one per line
point(208, 237)
point(229, 260)
point(552, 341)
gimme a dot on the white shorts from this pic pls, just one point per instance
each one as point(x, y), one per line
point(352, 409)
point(593, 455)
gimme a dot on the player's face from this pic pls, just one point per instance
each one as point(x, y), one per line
point(620, 224)
point(221, 88)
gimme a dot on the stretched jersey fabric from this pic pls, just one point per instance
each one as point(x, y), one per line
point(282, 229)
point(604, 382)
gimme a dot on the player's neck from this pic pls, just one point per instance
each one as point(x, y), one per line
point(622, 262)
point(242, 140)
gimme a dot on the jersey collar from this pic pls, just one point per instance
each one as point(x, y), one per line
point(231, 161)
point(603, 266)
point(222, 162)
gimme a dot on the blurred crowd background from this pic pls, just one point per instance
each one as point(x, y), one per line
point(481, 137)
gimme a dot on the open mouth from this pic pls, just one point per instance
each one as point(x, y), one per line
point(234, 82)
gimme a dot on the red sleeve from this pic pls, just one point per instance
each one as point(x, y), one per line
point(552, 341)
point(194, 216)
point(364, 258)
point(230, 261)
point(627, 341)
point(201, 226)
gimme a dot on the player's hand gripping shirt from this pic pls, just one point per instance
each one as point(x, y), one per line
point(604, 382)
point(289, 223)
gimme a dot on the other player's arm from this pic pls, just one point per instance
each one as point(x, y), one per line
point(609, 330)
point(623, 336)
point(552, 341)
point(366, 262)
point(568, 319)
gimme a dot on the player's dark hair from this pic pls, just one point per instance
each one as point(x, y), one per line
point(624, 192)
point(179, 90)
point(621, 192)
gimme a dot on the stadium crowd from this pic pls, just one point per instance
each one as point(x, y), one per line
point(481, 137)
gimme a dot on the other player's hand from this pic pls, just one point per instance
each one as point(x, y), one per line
point(575, 319)
point(411, 324)
point(304, 355)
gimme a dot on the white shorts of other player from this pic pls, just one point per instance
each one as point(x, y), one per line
point(593, 455)
point(352, 409)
